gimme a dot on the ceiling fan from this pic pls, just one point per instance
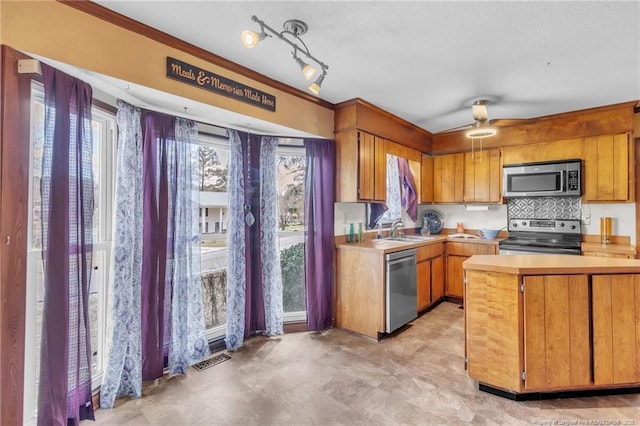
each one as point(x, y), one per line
point(482, 127)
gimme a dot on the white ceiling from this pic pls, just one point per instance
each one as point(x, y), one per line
point(425, 61)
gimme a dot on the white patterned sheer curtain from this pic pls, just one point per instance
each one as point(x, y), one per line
point(239, 224)
point(123, 373)
point(188, 341)
point(269, 250)
point(394, 193)
point(236, 266)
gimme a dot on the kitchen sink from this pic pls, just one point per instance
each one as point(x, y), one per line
point(410, 238)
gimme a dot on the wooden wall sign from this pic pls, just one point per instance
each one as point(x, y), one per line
point(190, 74)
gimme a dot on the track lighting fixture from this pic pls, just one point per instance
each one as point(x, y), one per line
point(293, 29)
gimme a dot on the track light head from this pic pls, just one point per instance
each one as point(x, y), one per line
point(250, 39)
point(315, 86)
point(308, 71)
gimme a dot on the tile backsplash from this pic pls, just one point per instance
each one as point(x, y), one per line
point(495, 217)
point(544, 208)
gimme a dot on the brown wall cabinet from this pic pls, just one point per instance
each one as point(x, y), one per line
point(361, 167)
point(606, 168)
point(372, 168)
point(607, 173)
point(482, 176)
point(426, 174)
point(448, 178)
point(430, 275)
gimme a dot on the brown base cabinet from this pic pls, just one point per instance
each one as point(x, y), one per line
point(458, 252)
point(551, 333)
point(430, 275)
point(616, 329)
point(556, 332)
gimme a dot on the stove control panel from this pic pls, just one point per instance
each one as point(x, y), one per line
point(560, 226)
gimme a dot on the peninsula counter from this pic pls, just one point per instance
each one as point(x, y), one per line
point(549, 323)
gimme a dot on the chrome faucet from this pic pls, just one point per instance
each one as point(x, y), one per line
point(395, 226)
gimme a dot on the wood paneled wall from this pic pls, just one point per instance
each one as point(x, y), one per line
point(87, 35)
point(361, 115)
point(14, 198)
point(610, 119)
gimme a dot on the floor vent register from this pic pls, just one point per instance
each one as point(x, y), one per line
point(210, 362)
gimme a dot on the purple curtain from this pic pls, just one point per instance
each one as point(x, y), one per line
point(409, 195)
point(254, 302)
point(319, 240)
point(158, 130)
point(67, 214)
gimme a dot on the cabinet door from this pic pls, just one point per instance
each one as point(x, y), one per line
point(380, 169)
point(366, 166)
point(482, 176)
point(556, 331)
point(426, 179)
point(423, 271)
point(448, 178)
point(616, 328)
point(437, 278)
point(372, 168)
point(606, 168)
point(543, 151)
point(455, 276)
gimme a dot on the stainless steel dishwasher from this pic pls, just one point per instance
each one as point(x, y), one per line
point(401, 291)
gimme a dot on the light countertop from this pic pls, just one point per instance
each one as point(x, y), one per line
point(609, 248)
point(551, 264)
point(388, 246)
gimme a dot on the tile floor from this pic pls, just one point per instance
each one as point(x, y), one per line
point(336, 378)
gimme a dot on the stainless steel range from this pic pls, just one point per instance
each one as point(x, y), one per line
point(542, 236)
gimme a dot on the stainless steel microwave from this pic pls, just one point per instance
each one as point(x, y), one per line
point(544, 179)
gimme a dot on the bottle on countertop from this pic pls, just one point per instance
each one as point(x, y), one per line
point(460, 228)
point(425, 227)
point(352, 234)
point(360, 233)
point(379, 236)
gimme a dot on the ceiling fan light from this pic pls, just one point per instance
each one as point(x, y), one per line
point(251, 38)
point(481, 132)
point(479, 111)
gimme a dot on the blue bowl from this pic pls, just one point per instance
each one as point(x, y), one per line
point(489, 234)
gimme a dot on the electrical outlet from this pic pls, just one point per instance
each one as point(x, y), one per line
point(586, 218)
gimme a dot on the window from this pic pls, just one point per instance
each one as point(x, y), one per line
point(214, 202)
point(214, 155)
point(291, 167)
point(103, 128)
